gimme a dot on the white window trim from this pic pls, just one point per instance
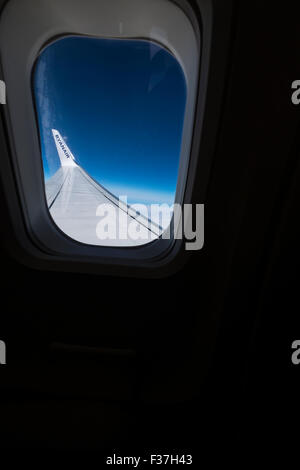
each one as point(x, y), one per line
point(26, 27)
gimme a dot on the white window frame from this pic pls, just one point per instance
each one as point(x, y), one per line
point(26, 27)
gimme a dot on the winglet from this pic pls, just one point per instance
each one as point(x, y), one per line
point(65, 155)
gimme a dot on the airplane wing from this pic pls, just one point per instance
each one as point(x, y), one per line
point(73, 197)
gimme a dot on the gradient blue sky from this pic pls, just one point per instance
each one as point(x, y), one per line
point(120, 106)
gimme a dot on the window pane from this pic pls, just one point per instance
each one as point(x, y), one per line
point(110, 115)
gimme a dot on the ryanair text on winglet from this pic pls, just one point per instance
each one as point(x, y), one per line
point(62, 146)
point(2, 352)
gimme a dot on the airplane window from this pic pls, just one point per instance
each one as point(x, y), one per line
point(110, 115)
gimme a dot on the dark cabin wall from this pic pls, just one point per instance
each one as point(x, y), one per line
point(205, 347)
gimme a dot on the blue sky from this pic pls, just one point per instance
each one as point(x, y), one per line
point(120, 106)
